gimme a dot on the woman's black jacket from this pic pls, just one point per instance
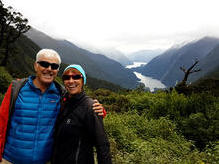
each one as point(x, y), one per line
point(78, 130)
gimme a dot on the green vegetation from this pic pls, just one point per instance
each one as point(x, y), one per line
point(12, 25)
point(5, 79)
point(161, 127)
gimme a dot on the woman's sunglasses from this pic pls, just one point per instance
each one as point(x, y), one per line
point(74, 77)
point(46, 64)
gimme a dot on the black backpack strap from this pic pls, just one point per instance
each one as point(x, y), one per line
point(16, 86)
point(61, 88)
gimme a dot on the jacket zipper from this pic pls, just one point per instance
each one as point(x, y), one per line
point(77, 152)
point(37, 127)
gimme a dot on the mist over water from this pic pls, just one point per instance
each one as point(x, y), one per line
point(146, 80)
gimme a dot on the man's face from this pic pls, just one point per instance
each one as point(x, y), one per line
point(73, 81)
point(46, 75)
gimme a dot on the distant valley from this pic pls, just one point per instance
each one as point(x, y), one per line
point(144, 55)
point(161, 65)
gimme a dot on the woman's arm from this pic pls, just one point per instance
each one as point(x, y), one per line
point(99, 138)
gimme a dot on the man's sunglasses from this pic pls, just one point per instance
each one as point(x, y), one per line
point(68, 77)
point(45, 64)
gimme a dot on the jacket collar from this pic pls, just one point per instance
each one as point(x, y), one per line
point(74, 98)
point(51, 88)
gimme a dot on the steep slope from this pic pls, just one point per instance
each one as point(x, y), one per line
point(209, 66)
point(96, 65)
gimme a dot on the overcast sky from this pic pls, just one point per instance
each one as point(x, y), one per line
point(126, 25)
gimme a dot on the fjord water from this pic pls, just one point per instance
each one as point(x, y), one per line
point(146, 80)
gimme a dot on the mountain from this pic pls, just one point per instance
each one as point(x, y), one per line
point(21, 59)
point(144, 55)
point(119, 57)
point(166, 67)
point(96, 65)
point(187, 54)
point(114, 55)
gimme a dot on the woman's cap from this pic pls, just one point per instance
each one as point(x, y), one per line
point(79, 68)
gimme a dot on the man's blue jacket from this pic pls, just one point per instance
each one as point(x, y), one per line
point(31, 124)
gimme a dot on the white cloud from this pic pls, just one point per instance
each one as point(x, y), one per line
point(128, 25)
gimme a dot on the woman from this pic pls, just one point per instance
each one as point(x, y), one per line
point(78, 128)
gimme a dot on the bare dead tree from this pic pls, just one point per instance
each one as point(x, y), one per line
point(182, 86)
point(189, 71)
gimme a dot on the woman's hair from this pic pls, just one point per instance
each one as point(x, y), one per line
point(48, 53)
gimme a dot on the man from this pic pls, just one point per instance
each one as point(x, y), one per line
point(28, 113)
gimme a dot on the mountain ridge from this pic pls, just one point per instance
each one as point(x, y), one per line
point(96, 65)
point(23, 55)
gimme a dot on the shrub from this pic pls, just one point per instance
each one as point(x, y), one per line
point(135, 139)
point(141, 124)
point(5, 80)
point(1, 97)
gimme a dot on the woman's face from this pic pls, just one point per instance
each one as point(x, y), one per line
point(73, 81)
